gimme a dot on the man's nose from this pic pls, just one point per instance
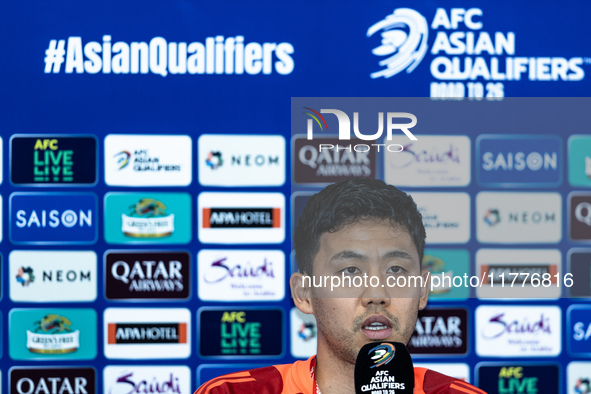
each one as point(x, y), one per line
point(375, 295)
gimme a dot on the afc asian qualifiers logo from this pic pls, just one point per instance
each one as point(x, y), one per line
point(382, 354)
point(404, 50)
point(468, 57)
point(148, 160)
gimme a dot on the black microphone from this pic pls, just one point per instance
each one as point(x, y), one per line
point(384, 368)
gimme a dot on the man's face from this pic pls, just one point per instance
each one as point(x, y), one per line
point(368, 313)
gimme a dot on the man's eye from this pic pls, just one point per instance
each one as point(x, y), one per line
point(395, 270)
point(351, 270)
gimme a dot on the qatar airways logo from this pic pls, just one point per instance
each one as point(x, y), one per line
point(344, 129)
point(462, 51)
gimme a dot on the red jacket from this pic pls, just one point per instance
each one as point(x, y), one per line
point(298, 378)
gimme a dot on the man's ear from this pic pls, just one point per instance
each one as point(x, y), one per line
point(300, 293)
point(424, 297)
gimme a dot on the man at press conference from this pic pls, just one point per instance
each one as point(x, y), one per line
point(350, 231)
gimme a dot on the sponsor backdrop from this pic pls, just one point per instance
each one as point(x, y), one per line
point(151, 171)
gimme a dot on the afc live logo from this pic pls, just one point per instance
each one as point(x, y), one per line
point(243, 332)
point(53, 160)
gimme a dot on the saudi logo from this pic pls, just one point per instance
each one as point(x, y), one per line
point(382, 354)
point(403, 44)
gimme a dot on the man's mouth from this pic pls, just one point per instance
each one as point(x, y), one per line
point(376, 327)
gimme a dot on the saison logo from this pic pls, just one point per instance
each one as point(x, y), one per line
point(147, 219)
point(53, 334)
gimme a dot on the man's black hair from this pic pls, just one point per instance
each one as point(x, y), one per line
point(348, 202)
